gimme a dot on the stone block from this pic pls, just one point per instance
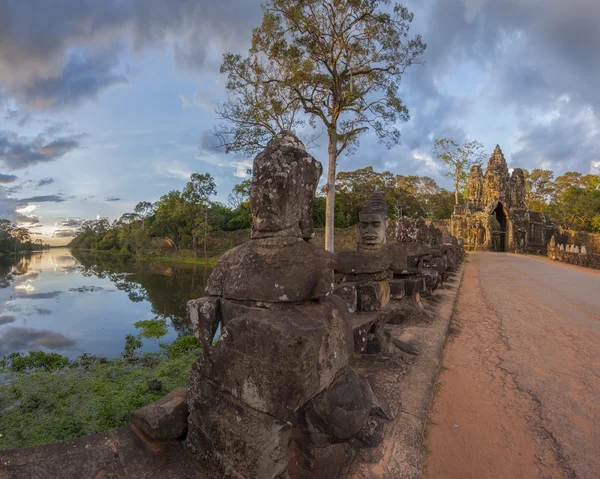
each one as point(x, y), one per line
point(289, 273)
point(397, 290)
point(347, 291)
point(363, 262)
point(363, 277)
point(231, 439)
point(277, 359)
point(414, 285)
point(339, 412)
point(407, 308)
point(432, 279)
point(205, 318)
point(164, 419)
point(373, 296)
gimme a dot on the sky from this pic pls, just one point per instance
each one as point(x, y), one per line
point(105, 104)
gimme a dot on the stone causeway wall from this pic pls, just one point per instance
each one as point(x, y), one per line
point(580, 254)
point(325, 363)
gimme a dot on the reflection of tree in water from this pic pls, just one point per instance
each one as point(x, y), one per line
point(6, 273)
point(10, 269)
point(167, 286)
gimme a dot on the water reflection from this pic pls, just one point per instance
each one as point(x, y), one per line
point(81, 301)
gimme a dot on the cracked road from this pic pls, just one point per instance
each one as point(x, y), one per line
point(518, 394)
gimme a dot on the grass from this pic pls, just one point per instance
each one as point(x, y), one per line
point(170, 259)
point(50, 398)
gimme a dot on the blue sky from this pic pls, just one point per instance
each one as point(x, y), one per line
point(105, 104)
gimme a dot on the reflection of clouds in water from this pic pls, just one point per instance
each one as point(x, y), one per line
point(6, 319)
point(14, 308)
point(26, 338)
point(33, 276)
point(64, 261)
point(28, 288)
point(71, 269)
point(47, 295)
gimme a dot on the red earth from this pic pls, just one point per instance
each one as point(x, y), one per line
point(518, 395)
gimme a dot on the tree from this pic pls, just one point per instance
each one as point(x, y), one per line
point(170, 220)
point(196, 196)
point(539, 189)
point(459, 159)
point(20, 235)
point(341, 62)
point(240, 194)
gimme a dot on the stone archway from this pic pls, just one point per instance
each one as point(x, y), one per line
point(499, 240)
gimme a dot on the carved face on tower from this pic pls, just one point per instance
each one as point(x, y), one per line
point(284, 182)
point(373, 220)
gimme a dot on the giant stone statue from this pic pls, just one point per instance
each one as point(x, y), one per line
point(281, 362)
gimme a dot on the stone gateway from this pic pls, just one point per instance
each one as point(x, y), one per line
point(495, 216)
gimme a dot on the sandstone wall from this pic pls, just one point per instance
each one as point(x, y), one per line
point(579, 238)
point(588, 260)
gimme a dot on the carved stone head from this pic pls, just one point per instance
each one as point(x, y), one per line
point(373, 220)
point(284, 182)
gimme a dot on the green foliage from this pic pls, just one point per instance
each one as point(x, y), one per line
point(152, 328)
point(572, 199)
point(18, 362)
point(17, 240)
point(411, 196)
point(132, 344)
point(88, 396)
point(459, 159)
point(181, 346)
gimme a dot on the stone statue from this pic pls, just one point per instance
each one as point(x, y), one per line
point(285, 343)
point(373, 221)
point(583, 250)
point(517, 189)
point(475, 185)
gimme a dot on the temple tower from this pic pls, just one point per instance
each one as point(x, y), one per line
point(497, 181)
point(476, 185)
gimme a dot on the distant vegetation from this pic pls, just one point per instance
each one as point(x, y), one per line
point(14, 239)
point(572, 199)
point(187, 217)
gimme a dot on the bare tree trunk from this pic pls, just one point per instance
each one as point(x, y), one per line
point(195, 244)
point(330, 202)
point(205, 231)
point(456, 188)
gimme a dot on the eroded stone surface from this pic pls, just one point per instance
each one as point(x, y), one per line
point(373, 296)
point(340, 412)
point(164, 419)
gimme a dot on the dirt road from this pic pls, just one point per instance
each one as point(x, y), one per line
point(519, 390)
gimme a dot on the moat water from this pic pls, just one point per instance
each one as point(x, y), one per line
point(70, 302)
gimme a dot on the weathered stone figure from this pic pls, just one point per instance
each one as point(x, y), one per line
point(476, 185)
point(373, 221)
point(285, 341)
point(369, 266)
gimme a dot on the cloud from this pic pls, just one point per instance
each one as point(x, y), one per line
point(16, 209)
point(82, 77)
point(59, 198)
point(112, 198)
point(65, 233)
point(30, 219)
point(72, 222)
point(44, 182)
point(17, 152)
point(76, 51)
point(5, 179)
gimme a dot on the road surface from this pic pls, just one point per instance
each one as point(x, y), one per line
point(519, 389)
